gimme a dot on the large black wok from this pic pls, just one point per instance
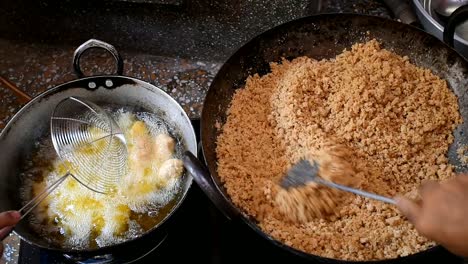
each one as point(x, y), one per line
point(31, 124)
point(320, 37)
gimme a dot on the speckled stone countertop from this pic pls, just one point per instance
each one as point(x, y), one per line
point(35, 67)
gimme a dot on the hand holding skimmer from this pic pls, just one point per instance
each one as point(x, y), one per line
point(90, 143)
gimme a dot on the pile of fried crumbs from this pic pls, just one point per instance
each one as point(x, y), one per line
point(395, 118)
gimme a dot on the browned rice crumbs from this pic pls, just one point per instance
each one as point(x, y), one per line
point(462, 154)
point(397, 120)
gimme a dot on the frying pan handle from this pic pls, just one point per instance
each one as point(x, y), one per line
point(201, 175)
point(403, 11)
point(456, 18)
point(94, 43)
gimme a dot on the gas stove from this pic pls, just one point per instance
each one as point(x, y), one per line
point(206, 30)
point(199, 233)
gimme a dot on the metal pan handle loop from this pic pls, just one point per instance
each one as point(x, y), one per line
point(456, 18)
point(94, 43)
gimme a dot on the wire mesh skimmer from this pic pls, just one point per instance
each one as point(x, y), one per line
point(90, 143)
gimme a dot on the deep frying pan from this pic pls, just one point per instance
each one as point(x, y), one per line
point(321, 37)
point(31, 123)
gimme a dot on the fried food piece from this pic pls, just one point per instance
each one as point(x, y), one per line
point(171, 169)
point(164, 147)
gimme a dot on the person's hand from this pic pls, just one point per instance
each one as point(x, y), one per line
point(7, 221)
point(441, 214)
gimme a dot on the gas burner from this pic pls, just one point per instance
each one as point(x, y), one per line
point(137, 254)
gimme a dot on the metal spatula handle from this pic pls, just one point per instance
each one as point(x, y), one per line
point(355, 191)
point(303, 172)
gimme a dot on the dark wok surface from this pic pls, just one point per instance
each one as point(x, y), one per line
point(321, 37)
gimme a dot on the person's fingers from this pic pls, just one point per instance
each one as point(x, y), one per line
point(427, 187)
point(408, 208)
point(455, 189)
point(4, 232)
point(9, 218)
point(462, 178)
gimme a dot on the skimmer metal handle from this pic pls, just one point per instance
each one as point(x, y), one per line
point(28, 207)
